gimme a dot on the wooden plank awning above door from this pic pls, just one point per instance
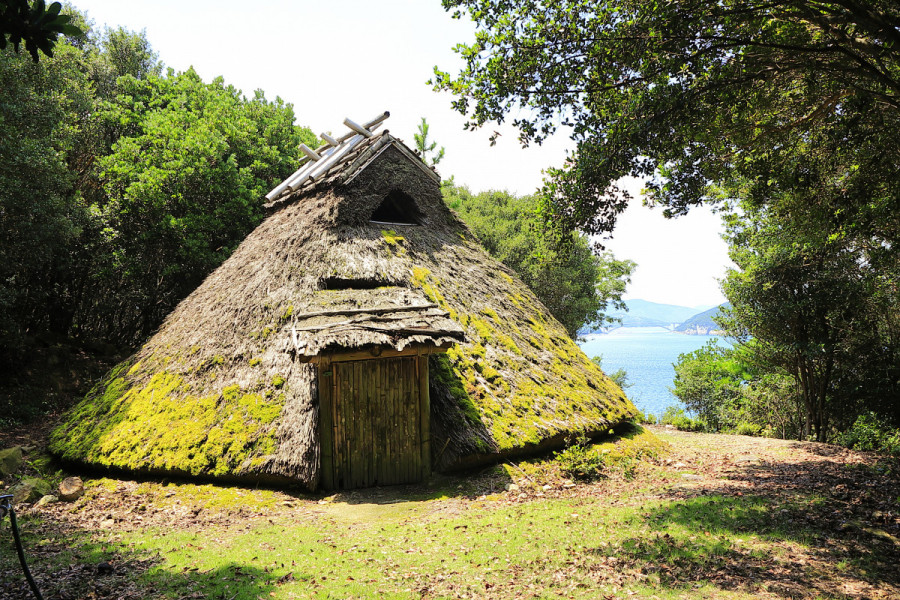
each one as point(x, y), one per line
point(377, 322)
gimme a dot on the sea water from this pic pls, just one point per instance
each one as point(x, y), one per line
point(648, 355)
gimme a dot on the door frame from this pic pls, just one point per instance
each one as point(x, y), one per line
point(327, 385)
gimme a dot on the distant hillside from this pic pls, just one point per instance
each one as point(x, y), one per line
point(702, 324)
point(642, 313)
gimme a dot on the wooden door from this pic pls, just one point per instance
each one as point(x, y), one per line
point(376, 423)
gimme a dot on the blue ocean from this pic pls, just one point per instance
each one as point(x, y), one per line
point(647, 354)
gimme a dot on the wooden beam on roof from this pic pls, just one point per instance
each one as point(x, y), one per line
point(374, 352)
point(358, 128)
point(377, 310)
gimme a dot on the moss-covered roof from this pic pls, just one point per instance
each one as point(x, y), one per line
point(219, 391)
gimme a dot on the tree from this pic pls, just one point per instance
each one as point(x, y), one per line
point(619, 377)
point(37, 26)
point(122, 187)
point(817, 302)
point(427, 150)
point(44, 106)
point(575, 284)
point(707, 380)
point(684, 93)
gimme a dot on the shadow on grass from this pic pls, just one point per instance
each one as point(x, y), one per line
point(489, 480)
point(69, 563)
point(810, 529)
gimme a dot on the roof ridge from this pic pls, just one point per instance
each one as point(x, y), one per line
point(324, 159)
point(344, 157)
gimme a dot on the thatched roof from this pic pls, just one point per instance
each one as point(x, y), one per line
point(226, 388)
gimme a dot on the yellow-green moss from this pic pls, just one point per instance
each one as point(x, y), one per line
point(255, 362)
point(392, 237)
point(288, 312)
point(277, 381)
point(483, 328)
point(159, 424)
point(420, 276)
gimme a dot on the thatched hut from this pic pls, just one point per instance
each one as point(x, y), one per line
point(359, 336)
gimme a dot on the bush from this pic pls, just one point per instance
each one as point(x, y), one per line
point(745, 428)
point(677, 418)
point(587, 462)
point(645, 418)
point(581, 461)
point(871, 433)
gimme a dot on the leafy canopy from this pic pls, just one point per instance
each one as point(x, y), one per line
point(680, 93)
point(121, 187)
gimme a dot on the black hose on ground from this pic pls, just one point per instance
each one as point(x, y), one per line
point(6, 507)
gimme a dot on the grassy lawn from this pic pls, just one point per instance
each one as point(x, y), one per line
point(712, 517)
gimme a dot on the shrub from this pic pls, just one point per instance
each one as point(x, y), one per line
point(587, 462)
point(871, 433)
point(677, 418)
point(581, 461)
point(745, 428)
point(645, 418)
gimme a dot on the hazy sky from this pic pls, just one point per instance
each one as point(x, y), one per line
point(352, 58)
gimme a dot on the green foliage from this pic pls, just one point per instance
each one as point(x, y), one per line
point(685, 93)
point(587, 461)
point(620, 376)
point(575, 284)
point(677, 418)
point(643, 418)
point(580, 461)
point(871, 433)
point(813, 289)
point(428, 151)
point(183, 181)
point(38, 26)
point(707, 380)
point(122, 187)
point(733, 392)
point(745, 428)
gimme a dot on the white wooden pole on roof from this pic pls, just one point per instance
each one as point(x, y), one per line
point(312, 154)
point(328, 154)
point(358, 128)
point(323, 166)
point(284, 184)
point(370, 124)
point(294, 181)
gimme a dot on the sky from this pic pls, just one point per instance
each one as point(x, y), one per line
point(335, 59)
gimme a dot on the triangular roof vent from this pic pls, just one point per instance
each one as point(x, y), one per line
point(397, 208)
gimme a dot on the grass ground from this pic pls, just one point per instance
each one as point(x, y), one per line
point(713, 517)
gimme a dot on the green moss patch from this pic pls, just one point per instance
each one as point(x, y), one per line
point(519, 372)
point(158, 423)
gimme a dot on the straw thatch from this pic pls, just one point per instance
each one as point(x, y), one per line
point(226, 388)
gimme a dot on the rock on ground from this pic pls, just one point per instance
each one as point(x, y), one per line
point(29, 490)
point(10, 461)
point(71, 489)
